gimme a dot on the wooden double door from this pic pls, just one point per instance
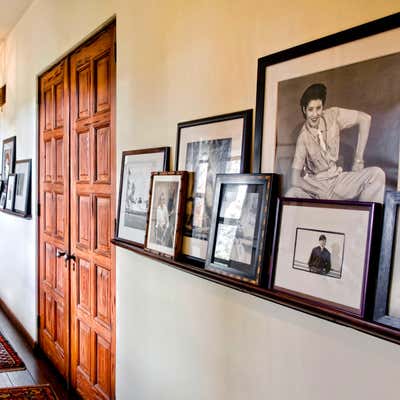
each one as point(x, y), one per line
point(76, 216)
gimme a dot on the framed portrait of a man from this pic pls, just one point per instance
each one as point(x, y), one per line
point(136, 169)
point(327, 115)
point(165, 215)
point(323, 260)
point(207, 147)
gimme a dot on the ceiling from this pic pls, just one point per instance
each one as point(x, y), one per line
point(10, 13)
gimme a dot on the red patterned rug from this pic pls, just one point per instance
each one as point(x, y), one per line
point(9, 359)
point(39, 392)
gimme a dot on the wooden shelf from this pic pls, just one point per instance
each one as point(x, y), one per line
point(350, 321)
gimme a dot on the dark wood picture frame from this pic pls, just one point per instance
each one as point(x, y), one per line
point(264, 227)
point(12, 140)
point(349, 35)
point(383, 286)
point(26, 211)
point(10, 196)
point(370, 256)
point(165, 167)
point(245, 155)
point(180, 209)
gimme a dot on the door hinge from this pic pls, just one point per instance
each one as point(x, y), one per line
point(38, 209)
point(38, 321)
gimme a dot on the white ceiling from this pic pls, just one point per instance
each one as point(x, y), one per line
point(10, 12)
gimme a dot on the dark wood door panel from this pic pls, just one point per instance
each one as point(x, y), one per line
point(54, 299)
point(92, 214)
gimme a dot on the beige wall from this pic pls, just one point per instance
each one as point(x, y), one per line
point(178, 336)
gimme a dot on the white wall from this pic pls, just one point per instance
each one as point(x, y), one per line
point(179, 336)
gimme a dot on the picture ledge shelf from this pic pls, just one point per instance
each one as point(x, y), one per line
point(371, 328)
point(15, 214)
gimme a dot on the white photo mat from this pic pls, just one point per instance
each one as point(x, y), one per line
point(232, 129)
point(23, 172)
point(142, 165)
point(346, 291)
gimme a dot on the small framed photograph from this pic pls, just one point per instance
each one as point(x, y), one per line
point(12, 178)
point(387, 294)
point(8, 160)
point(136, 169)
point(165, 216)
point(23, 171)
point(323, 252)
point(242, 226)
point(207, 147)
point(3, 198)
point(322, 119)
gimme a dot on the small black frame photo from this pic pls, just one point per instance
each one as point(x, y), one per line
point(242, 226)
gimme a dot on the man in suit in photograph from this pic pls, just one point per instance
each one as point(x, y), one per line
point(320, 258)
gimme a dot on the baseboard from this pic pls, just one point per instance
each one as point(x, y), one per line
point(17, 324)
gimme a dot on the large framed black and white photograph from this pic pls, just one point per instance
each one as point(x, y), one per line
point(387, 294)
point(23, 171)
point(136, 169)
point(242, 226)
point(8, 157)
point(165, 215)
point(207, 147)
point(323, 252)
point(330, 111)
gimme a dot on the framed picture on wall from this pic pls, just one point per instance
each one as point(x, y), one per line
point(323, 252)
point(8, 160)
point(387, 294)
point(136, 169)
point(242, 226)
point(165, 216)
point(10, 198)
point(23, 171)
point(207, 147)
point(330, 109)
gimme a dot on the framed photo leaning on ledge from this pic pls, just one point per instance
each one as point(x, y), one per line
point(330, 109)
point(387, 297)
point(207, 147)
point(165, 215)
point(134, 188)
point(23, 170)
point(10, 198)
point(323, 252)
point(242, 226)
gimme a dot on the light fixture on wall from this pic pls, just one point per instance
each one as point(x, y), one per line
point(2, 96)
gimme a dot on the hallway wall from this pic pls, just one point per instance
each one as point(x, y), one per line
point(178, 336)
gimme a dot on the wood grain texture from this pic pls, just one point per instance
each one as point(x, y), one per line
point(92, 216)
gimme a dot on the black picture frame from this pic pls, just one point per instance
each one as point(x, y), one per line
point(20, 166)
point(203, 131)
point(12, 143)
point(260, 227)
point(293, 285)
point(384, 284)
point(271, 61)
point(151, 152)
point(10, 196)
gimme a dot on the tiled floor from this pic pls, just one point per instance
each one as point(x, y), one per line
point(38, 369)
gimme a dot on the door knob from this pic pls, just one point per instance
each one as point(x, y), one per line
point(60, 253)
point(68, 257)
